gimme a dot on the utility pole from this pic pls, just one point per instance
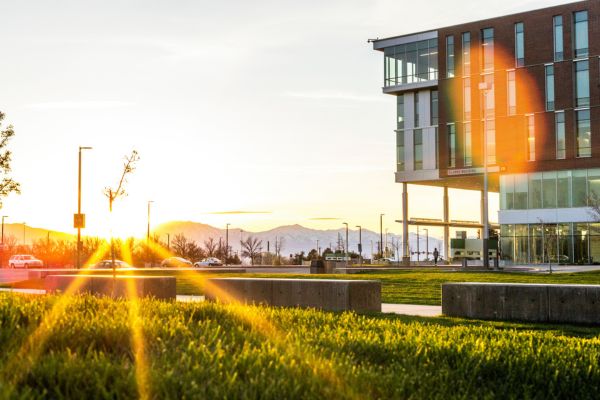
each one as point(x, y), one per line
point(3, 248)
point(345, 223)
point(318, 250)
point(418, 240)
point(381, 235)
point(79, 219)
point(148, 232)
point(426, 243)
point(226, 242)
point(359, 244)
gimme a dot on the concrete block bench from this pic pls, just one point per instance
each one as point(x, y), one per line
point(326, 294)
point(579, 304)
point(123, 286)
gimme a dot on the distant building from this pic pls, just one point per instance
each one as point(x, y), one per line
point(530, 83)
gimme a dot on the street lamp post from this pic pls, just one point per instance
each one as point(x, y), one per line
point(3, 250)
point(345, 223)
point(418, 240)
point(426, 243)
point(79, 220)
point(148, 232)
point(227, 243)
point(359, 243)
point(24, 234)
point(318, 250)
point(381, 235)
point(483, 86)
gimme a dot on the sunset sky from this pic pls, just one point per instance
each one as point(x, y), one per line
point(270, 106)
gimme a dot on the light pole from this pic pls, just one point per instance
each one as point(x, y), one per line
point(168, 241)
point(318, 250)
point(386, 242)
point(79, 220)
point(226, 242)
point(483, 86)
point(418, 240)
point(345, 223)
point(381, 235)
point(426, 243)
point(359, 243)
point(148, 232)
point(24, 235)
point(3, 250)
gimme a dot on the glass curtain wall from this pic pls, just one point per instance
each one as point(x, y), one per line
point(411, 63)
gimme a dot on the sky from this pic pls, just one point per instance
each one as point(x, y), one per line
point(273, 108)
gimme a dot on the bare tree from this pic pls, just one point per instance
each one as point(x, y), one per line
point(251, 248)
point(210, 246)
point(179, 245)
point(7, 184)
point(113, 194)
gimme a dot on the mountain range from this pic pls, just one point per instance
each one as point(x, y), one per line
point(294, 238)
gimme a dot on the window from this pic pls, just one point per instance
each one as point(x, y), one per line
point(487, 36)
point(584, 140)
point(400, 112)
point(512, 92)
point(520, 196)
point(434, 107)
point(563, 189)
point(411, 63)
point(467, 99)
point(488, 95)
point(559, 127)
point(450, 56)
point(519, 45)
point(558, 38)
point(418, 148)
point(580, 20)
point(468, 145)
point(530, 137)
point(549, 87)
point(466, 53)
point(535, 190)
point(416, 109)
point(582, 83)
point(549, 189)
point(489, 126)
point(451, 145)
point(400, 150)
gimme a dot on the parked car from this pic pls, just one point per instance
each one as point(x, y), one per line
point(208, 262)
point(24, 261)
point(176, 262)
point(108, 264)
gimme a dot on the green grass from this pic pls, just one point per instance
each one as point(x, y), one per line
point(204, 350)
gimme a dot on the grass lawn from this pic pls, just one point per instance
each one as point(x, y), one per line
point(86, 347)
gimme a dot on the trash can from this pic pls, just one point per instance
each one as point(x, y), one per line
point(317, 267)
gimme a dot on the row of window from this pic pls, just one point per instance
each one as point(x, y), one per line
point(433, 107)
point(563, 243)
point(411, 63)
point(580, 45)
point(552, 189)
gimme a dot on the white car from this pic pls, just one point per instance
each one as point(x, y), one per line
point(175, 262)
point(24, 261)
point(208, 262)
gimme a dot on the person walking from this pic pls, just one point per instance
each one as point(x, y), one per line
point(436, 255)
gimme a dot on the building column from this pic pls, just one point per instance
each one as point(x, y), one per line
point(446, 226)
point(405, 238)
point(481, 208)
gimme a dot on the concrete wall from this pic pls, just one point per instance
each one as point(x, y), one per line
point(578, 304)
point(327, 294)
point(159, 287)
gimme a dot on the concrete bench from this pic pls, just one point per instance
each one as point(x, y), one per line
point(326, 294)
point(123, 286)
point(578, 304)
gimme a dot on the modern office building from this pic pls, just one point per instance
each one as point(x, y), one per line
point(521, 92)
